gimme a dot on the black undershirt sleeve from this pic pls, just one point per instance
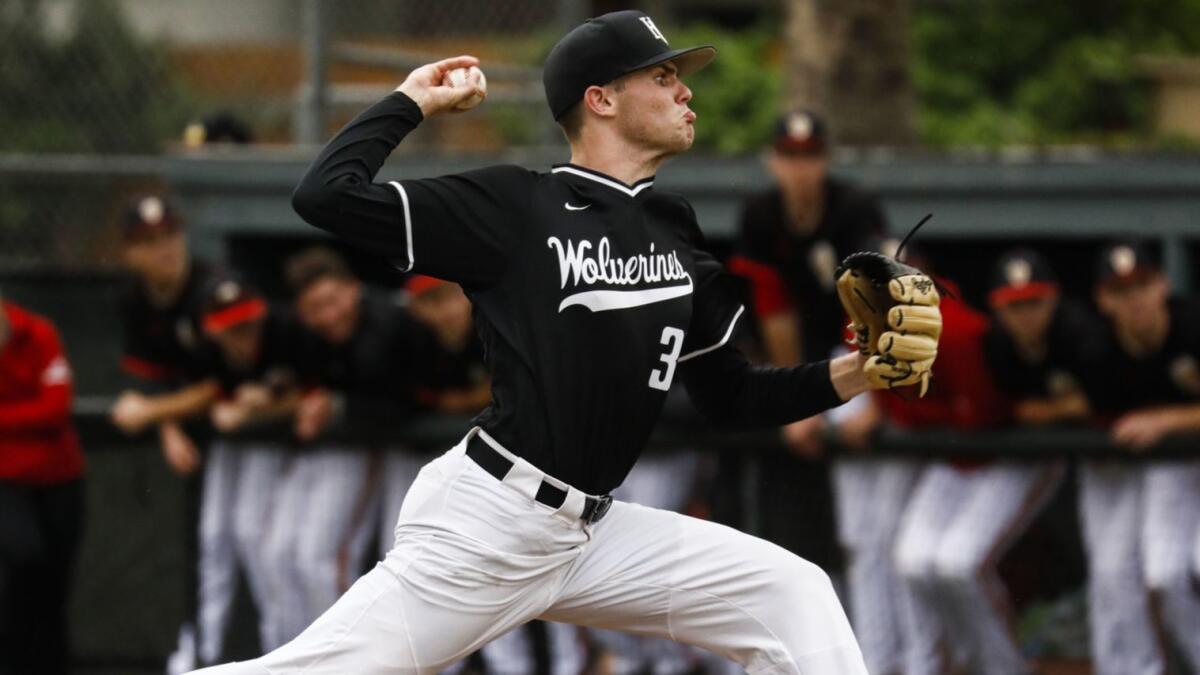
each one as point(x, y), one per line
point(732, 393)
point(727, 389)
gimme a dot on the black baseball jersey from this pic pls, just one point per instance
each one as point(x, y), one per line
point(1117, 382)
point(281, 362)
point(376, 368)
point(851, 222)
point(443, 369)
point(591, 296)
point(1060, 370)
point(165, 344)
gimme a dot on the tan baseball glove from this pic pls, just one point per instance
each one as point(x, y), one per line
point(893, 311)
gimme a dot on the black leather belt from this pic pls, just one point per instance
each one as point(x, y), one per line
point(498, 466)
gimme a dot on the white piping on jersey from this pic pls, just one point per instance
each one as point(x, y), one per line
point(728, 334)
point(604, 181)
point(412, 260)
point(600, 301)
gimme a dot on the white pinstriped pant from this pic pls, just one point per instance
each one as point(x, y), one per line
point(1140, 524)
point(235, 513)
point(475, 557)
point(217, 566)
point(323, 519)
point(871, 494)
point(953, 531)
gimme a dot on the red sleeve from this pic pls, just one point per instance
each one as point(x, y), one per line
point(769, 295)
point(50, 407)
point(963, 394)
point(145, 370)
point(975, 401)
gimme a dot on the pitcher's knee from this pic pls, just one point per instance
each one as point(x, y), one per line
point(792, 574)
point(802, 597)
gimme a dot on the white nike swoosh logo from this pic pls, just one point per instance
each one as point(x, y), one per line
point(575, 208)
point(600, 301)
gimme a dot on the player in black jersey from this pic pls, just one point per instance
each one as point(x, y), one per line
point(791, 237)
point(367, 347)
point(257, 369)
point(1032, 347)
point(163, 350)
point(365, 356)
point(453, 375)
point(592, 291)
point(163, 344)
point(799, 229)
point(1140, 520)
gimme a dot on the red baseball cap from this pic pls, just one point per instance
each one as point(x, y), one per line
point(231, 303)
point(1019, 275)
point(419, 284)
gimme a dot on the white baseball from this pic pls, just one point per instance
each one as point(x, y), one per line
point(461, 76)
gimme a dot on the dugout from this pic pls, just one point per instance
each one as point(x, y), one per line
point(238, 210)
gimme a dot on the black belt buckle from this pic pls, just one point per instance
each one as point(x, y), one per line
point(596, 508)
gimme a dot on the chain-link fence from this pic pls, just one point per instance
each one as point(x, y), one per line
point(106, 78)
point(115, 79)
point(126, 76)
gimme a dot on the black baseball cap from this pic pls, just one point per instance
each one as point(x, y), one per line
point(1021, 274)
point(149, 215)
point(800, 133)
point(604, 48)
point(1126, 261)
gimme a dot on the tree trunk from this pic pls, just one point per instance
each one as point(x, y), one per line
point(849, 61)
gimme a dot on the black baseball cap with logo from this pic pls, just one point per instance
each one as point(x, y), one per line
point(1126, 262)
point(148, 216)
point(1021, 274)
point(604, 48)
point(800, 133)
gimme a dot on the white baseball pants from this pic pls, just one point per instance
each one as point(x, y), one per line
point(661, 481)
point(261, 469)
point(323, 520)
point(1140, 522)
point(871, 494)
point(218, 569)
point(952, 534)
point(400, 469)
point(475, 557)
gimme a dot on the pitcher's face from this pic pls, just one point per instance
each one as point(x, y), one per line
point(653, 109)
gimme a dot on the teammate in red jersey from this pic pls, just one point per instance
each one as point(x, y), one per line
point(41, 466)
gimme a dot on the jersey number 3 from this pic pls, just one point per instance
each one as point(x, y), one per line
point(672, 339)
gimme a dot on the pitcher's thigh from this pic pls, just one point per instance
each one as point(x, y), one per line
point(659, 573)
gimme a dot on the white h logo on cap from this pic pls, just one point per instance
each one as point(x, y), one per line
point(654, 29)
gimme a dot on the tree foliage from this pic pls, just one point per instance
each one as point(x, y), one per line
point(97, 89)
point(993, 72)
point(737, 96)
